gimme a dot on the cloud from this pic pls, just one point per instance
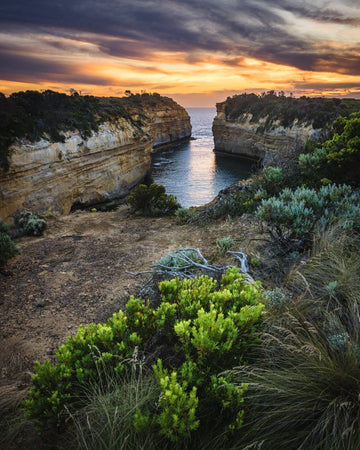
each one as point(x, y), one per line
point(32, 69)
point(227, 31)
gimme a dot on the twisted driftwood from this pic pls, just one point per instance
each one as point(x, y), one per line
point(188, 263)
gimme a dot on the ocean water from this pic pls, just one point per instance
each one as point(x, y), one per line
point(191, 170)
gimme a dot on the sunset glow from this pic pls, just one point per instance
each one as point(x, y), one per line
point(195, 52)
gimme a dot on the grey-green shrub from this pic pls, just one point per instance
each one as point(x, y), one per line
point(29, 223)
point(224, 244)
point(293, 214)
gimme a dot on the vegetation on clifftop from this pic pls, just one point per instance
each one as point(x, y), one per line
point(33, 115)
point(277, 107)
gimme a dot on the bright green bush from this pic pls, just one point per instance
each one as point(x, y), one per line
point(29, 223)
point(152, 201)
point(177, 405)
point(205, 326)
point(7, 248)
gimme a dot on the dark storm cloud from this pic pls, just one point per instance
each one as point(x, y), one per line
point(237, 28)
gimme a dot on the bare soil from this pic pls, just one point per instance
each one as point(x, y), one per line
point(77, 273)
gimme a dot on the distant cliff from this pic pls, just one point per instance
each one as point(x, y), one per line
point(103, 160)
point(268, 127)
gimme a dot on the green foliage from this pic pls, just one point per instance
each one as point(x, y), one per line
point(292, 216)
point(273, 175)
point(338, 158)
point(177, 405)
point(204, 325)
point(255, 262)
point(152, 201)
point(29, 223)
point(232, 202)
point(185, 215)
point(313, 163)
point(7, 248)
point(224, 244)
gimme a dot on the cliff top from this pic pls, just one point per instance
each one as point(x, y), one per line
point(33, 115)
point(317, 111)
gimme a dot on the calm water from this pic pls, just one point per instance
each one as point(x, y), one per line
point(191, 170)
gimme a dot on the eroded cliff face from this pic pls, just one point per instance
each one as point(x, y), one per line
point(50, 177)
point(244, 138)
point(167, 127)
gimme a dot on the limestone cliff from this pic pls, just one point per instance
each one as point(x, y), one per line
point(51, 177)
point(247, 138)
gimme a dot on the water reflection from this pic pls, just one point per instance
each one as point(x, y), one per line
point(191, 170)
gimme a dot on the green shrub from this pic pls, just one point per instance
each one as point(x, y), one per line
point(292, 216)
point(7, 248)
point(185, 215)
point(273, 176)
point(343, 150)
point(255, 262)
point(177, 405)
point(337, 158)
point(29, 223)
point(224, 244)
point(204, 325)
point(152, 201)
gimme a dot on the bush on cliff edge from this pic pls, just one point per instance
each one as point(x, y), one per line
point(152, 201)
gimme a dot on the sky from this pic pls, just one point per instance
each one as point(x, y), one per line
point(197, 52)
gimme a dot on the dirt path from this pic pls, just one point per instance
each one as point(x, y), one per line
point(76, 274)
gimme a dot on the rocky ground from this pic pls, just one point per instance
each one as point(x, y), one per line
point(77, 273)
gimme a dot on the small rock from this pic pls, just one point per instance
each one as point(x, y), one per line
point(41, 304)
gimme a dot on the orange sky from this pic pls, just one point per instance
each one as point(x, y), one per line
point(196, 54)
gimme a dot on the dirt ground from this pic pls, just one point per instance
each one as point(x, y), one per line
point(76, 274)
